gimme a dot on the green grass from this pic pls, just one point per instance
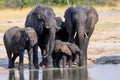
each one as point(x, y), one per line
point(2, 3)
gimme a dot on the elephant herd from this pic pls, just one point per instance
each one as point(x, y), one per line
point(58, 40)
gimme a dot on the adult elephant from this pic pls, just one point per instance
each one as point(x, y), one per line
point(16, 40)
point(42, 19)
point(80, 23)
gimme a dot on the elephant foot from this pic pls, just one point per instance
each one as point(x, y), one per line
point(31, 67)
point(75, 64)
point(11, 66)
point(42, 65)
point(49, 66)
point(36, 67)
point(20, 67)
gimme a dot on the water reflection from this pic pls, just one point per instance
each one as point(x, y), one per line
point(49, 74)
point(11, 75)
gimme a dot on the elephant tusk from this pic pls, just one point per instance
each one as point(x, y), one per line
point(86, 35)
point(47, 27)
point(75, 35)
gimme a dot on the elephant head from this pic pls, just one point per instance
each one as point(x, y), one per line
point(46, 16)
point(80, 23)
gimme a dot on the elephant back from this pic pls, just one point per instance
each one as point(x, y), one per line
point(62, 47)
point(9, 34)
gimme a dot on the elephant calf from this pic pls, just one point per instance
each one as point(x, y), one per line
point(64, 51)
point(16, 40)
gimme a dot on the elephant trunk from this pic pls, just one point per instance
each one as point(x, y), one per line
point(82, 36)
point(50, 46)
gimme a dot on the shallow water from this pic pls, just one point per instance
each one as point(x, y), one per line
point(94, 72)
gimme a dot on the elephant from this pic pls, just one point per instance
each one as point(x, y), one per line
point(61, 33)
point(80, 22)
point(16, 40)
point(42, 19)
point(64, 51)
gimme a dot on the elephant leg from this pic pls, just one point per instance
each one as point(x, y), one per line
point(30, 54)
point(76, 59)
point(35, 56)
point(54, 62)
point(70, 61)
point(15, 55)
point(10, 59)
point(21, 60)
point(58, 59)
point(54, 56)
point(64, 59)
point(43, 52)
point(43, 63)
point(49, 62)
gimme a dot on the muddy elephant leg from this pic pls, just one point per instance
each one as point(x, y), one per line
point(14, 58)
point(35, 56)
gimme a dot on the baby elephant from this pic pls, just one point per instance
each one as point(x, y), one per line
point(16, 40)
point(64, 51)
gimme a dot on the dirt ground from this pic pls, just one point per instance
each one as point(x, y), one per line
point(105, 40)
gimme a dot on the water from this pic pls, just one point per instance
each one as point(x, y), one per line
point(94, 72)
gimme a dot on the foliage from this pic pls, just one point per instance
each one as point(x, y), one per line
point(27, 3)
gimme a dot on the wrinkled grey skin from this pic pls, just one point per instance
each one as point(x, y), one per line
point(42, 19)
point(16, 40)
point(81, 21)
point(64, 51)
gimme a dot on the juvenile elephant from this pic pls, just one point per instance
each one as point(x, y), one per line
point(61, 33)
point(16, 40)
point(64, 51)
point(42, 19)
point(80, 23)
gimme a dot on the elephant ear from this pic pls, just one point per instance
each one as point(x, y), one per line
point(17, 36)
point(31, 36)
point(66, 50)
point(68, 12)
point(92, 17)
point(62, 47)
point(38, 11)
point(74, 48)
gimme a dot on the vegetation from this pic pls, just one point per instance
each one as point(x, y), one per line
point(30, 3)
